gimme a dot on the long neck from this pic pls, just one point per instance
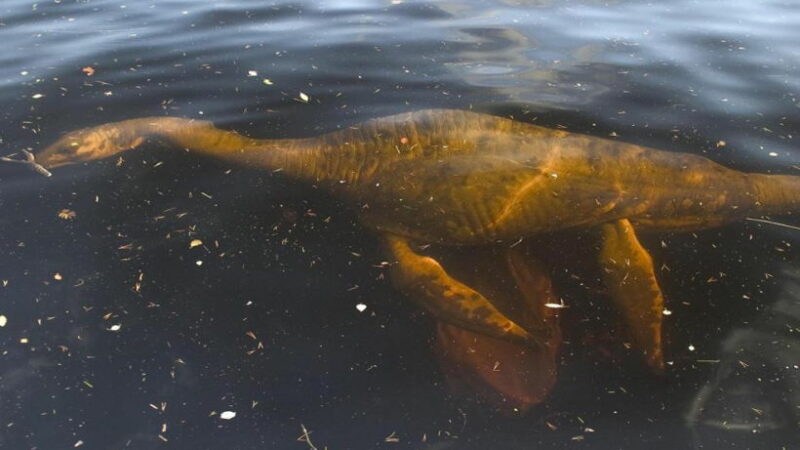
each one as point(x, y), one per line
point(296, 157)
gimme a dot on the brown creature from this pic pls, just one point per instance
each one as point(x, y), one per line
point(458, 178)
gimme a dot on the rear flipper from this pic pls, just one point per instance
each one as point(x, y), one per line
point(424, 279)
point(629, 275)
point(507, 374)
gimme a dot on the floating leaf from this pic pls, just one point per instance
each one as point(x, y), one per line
point(67, 214)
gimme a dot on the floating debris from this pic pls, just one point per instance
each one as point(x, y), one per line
point(361, 307)
point(227, 415)
point(771, 222)
point(29, 160)
point(267, 81)
point(305, 437)
point(252, 73)
point(88, 70)
point(3, 320)
point(195, 243)
point(115, 327)
point(559, 305)
point(304, 97)
point(67, 214)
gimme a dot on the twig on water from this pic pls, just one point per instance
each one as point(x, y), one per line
point(770, 222)
point(30, 161)
point(306, 438)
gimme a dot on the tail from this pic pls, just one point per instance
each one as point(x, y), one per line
point(776, 194)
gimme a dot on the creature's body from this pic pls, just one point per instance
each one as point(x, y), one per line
point(458, 178)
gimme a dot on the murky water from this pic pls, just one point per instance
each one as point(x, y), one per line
point(119, 335)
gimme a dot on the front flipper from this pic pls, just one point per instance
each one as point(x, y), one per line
point(505, 373)
point(450, 300)
point(629, 275)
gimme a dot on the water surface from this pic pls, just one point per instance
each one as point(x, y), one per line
point(285, 265)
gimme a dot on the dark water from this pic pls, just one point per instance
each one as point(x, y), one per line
point(288, 264)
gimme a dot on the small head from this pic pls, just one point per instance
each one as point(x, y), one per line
point(87, 144)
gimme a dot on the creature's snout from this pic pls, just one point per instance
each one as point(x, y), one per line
point(86, 145)
point(53, 158)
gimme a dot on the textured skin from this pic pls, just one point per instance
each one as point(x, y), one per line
point(458, 177)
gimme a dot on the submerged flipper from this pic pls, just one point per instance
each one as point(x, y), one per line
point(505, 373)
point(536, 291)
point(450, 300)
point(629, 275)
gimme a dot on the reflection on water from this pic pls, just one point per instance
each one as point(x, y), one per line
point(753, 393)
point(714, 78)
